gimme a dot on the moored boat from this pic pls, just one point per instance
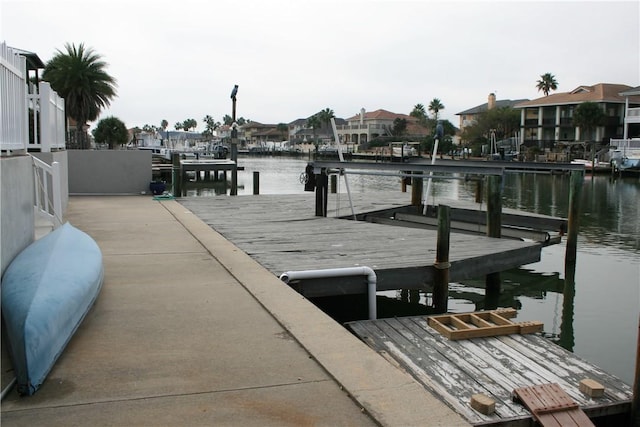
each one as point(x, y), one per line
point(625, 154)
point(46, 292)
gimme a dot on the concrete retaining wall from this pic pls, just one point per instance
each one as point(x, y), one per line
point(109, 171)
point(16, 206)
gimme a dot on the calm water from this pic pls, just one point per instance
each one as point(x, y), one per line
point(599, 318)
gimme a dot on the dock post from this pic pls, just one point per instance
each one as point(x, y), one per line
point(576, 180)
point(256, 182)
point(441, 274)
point(416, 189)
point(334, 184)
point(234, 171)
point(322, 182)
point(176, 175)
point(567, 335)
point(635, 402)
point(494, 225)
point(403, 184)
point(479, 187)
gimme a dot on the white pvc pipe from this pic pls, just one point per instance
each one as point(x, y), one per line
point(428, 190)
point(372, 280)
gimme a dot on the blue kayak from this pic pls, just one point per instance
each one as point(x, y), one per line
point(46, 292)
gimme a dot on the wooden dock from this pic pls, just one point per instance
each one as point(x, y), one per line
point(201, 168)
point(492, 367)
point(282, 233)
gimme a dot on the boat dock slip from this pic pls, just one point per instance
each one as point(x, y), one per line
point(493, 367)
point(282, 233)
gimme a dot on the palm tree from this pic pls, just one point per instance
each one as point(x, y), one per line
point(435, 106)
point(78, 75)
point(314, 123)
point(283, 128)
point(419, 113)
point(325, 116)
point(547, 83)
point(588, 116)
point(210, 126)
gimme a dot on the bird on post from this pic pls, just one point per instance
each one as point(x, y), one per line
point(234, 92)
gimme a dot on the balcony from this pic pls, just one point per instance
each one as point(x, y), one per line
point(633, 115)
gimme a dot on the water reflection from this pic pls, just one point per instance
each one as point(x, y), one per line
point(567, 339)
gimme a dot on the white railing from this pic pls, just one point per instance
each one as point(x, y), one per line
point(16, 103)
point(633, 115)
point(14, 121)
point(48, 197)
point(49, 107)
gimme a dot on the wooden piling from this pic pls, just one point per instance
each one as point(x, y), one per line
point(442, 265)
point(322, 182)
point(635, 402)
point(176, 175)
point(256, 182)
point(576, 180)
point(479, 188)
point(334, 184)
point(416, 189)
point(234, 171)
point(567, 335)
point(494, 224)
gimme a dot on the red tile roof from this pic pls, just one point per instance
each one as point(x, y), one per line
point(601, 92)
point(380, 115)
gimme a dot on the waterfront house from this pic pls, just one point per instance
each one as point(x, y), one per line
point(300, 132)
point(364, 127)
point(548, 120)
point(632, 114)
point(255, 132)
point(469, 117)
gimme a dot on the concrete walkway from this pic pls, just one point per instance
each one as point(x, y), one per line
point(189, 330)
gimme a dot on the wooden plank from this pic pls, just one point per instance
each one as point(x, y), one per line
point(551, 406)
point(476, 325)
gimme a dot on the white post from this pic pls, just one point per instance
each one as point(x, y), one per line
point(57, 194)
point(44, 92)
point(428, 190)
point(625, 123)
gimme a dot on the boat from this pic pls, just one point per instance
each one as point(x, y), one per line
point(593, 165)
point(47, 290)
point(404, 150)
point(625, 154)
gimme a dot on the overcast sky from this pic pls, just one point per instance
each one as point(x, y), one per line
point(177, 60)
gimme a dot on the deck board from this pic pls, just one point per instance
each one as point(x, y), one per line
point(282, 233)
point(494, 366)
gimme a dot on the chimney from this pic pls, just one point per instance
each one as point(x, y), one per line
point(361, 116)
point(492, 101)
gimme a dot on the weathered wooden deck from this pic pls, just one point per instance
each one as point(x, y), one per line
point(282, 233)
point(493, 366)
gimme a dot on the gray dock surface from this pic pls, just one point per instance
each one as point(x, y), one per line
point(282, 233)
point(189, 330)
point(493, 366)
